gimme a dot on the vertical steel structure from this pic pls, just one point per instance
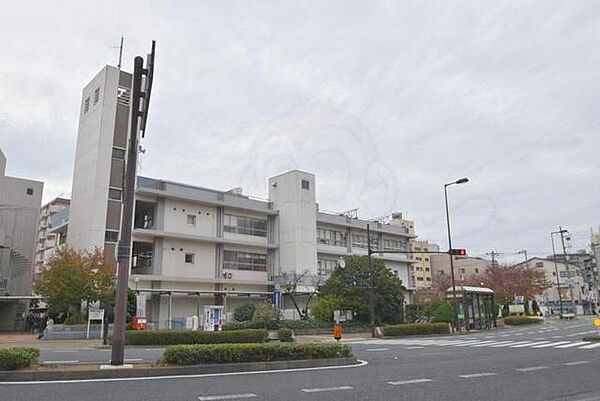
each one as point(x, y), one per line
point(140, 100)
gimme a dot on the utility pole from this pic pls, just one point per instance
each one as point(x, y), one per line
point(140, 99)
point(524, 251)
point(562, 240)
point(371, 282)
point(557, 274)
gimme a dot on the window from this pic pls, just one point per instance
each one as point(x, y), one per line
point(331, 237)
point(189, 258)
point(238, 260)
point(118, 154)
point(114, 194)
point(393, 245)
point(191, 220)
point(427, 278)
point(305, 184)
point(360, 241)
point(29, 191)
point(326, 266)
point(476, 270)
point(111, 236)
point(539, 264)
point(563, 273)
point(86, 105)
point(427, 269)
point(96, 95)
point(245, 225)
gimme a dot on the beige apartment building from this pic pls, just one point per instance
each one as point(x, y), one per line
point(421, 267)
point(47, 240)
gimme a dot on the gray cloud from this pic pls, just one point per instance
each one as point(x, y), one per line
point(384, 101)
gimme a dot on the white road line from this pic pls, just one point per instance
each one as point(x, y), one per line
point(576, 363)
point(505, 335)
point(323, 389)
point(360, 364)
point(399, 383)
point(551, 344)
point(473, 375)
point(502, 344)
point(532, 368)
point(133, 360)
point(418, 347)
point(594, 345)
point(226, 397)
point(60, 362)
point(527, 344)
point(467, 343)
point(573, 344)
point(65, 350)
point(377, 349)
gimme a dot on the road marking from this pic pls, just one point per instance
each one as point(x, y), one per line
point(419, 347)
point(377, 349)
point(576, 363)
point(531, 368)
point(551, 344)
point(65, 350)
point(487, 344)
point(505, 335)
point(410, 381)
point(226, 397)
point(526, 344)
point(573, 344)
point(60, 362)
point(132, 360)
point(503, 344)
point(323, 389)
point(473, 375)
point(467, 343)
point(594, 345)
point(360, 364)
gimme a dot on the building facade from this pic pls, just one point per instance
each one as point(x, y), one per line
point(195, 247)
point(20, 201)
point(421, 268)
point(47, 240)
point(464, 266)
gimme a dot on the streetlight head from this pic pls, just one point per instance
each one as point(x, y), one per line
point(462, 180)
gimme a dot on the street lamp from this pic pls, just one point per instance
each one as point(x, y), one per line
point(454, 310)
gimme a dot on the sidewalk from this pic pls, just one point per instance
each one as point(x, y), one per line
point(9, 340)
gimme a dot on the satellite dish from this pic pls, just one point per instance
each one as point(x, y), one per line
point(342, 263)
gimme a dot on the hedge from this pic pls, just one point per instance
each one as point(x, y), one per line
point(519, 320)
point(237, 353)
point(285, 335)
point(168, 337)
point(289, 324)
point(415, 329)
point(17, 358)
point(591, 338)
point(271, 325)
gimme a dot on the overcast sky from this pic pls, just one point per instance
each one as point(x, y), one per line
point(383, 101)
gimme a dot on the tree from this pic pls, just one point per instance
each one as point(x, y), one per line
point(244, 312)
point(71, 277)
point(508, 281)
point(265, 312)
point(325, 307)
point(298, 286)
point(351, 285)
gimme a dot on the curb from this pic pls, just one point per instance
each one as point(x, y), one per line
point(51, 375)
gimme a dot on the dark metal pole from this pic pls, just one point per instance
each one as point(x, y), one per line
point(557, 275)
point(454, 306)
point(124, 248)
point(562, 240)
point(371, 283)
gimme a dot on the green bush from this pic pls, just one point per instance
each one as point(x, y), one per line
point(271, 325)
point(244, 312)
point(443, 313)
point(17, 358)
point(519, 320)
point(236, 353)
point(324, 308)
point(415, 329)
point(167, 337)
point(285, 335)
point(591, 338)
point(266, 312)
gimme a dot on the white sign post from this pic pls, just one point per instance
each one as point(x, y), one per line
point(95, 314)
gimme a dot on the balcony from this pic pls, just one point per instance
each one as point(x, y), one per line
point(144, 215)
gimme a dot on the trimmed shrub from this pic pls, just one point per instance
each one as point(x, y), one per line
point(415, 329)
point(168, 337)
point(519, 320)
point(285, 335)
point(237, 353)
point(244, 313)
point(17, 358)
point(271, 325)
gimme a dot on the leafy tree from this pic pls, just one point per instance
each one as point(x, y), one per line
point(325, 307)
point(265, 312)
point(244, 312)
point(510, 280)
point(71, 277)
point(301, 286)
point(352, 284)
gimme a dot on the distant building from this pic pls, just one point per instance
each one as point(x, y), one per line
point(47, 241)
point(464, 266)
point(421, 268)
point(20, 201)
point(584, 265)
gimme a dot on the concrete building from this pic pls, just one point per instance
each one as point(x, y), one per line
point(20, 201)
point(421, 266)
point(194, 246)
point(464, 266)
point(584, 266)
point(47, 240)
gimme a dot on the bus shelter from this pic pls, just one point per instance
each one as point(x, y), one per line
point(476, 307)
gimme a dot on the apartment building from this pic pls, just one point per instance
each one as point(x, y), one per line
point(193, 246)
point(20, 201)
point(421, 267)
point(47, 240)
point(464, 266)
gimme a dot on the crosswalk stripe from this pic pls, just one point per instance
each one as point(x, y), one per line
point(503, 344)
point(573, 344)
point(594, 345)
point(467, 343)
point(486, 344)
point(526, 344)
point(550, 344)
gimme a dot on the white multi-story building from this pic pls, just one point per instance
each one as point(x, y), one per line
point(47, 240)
point(193, 246)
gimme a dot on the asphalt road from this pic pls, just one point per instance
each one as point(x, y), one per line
point(547, 362)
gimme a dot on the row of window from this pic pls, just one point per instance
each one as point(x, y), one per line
point(245, 225)
point(331, 237)
point(238, 260)
point(326, 266)
point(86, 103)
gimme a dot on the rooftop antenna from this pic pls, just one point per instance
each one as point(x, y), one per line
point(120, 47)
